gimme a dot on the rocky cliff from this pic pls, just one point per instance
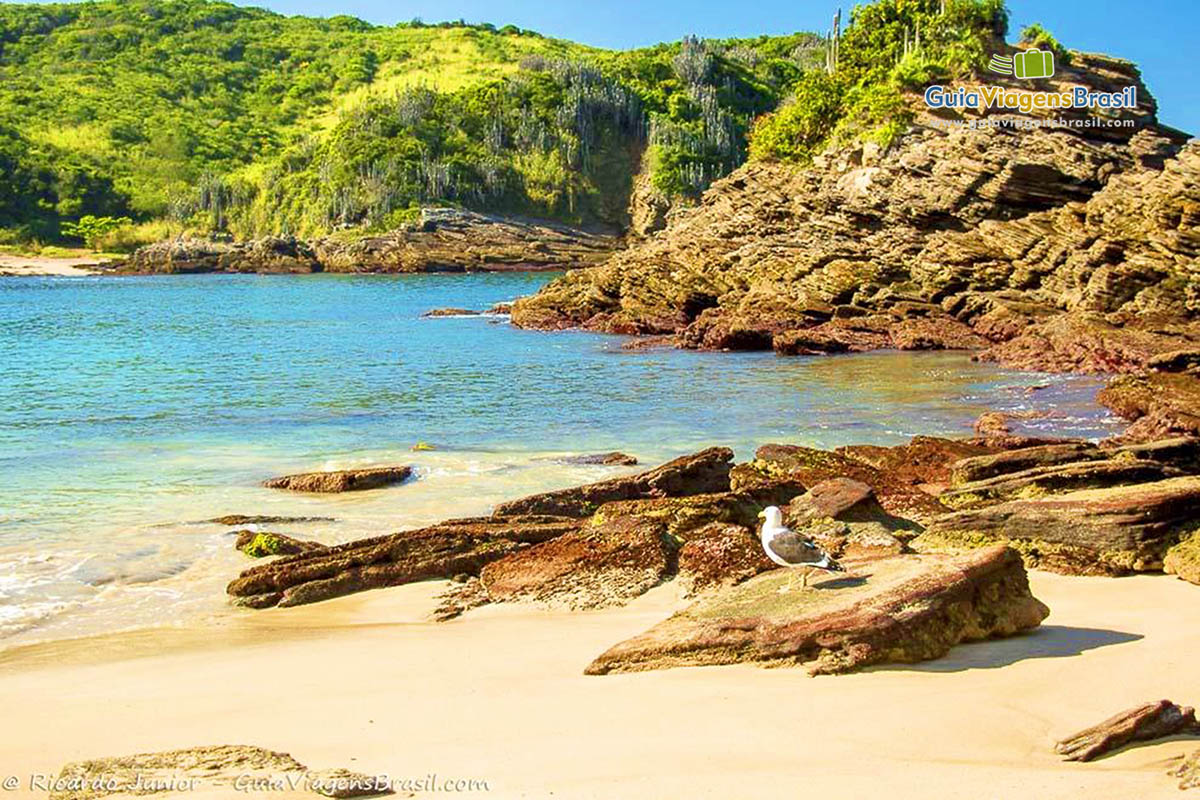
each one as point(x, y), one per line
point(1064, 248)
point(443, 240)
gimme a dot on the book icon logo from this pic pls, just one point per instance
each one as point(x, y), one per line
point(1029, 64)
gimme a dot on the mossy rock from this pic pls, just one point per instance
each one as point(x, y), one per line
point(1184, 559)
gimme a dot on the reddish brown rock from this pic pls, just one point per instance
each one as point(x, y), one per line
point(1160, 405)
point(907, 609)
point(441, 551)
point(721, 554)
point(346, 480)
point(1057, 478)
point(1153, 720)
point(1111, 531)
point(978, 468)
point(830, 498)
point(596, 565)
point(700, 473)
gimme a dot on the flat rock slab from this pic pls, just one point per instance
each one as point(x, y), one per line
point(345, 480)
point(1111, 531)
point(699, 473)
point(902, 609)
point(1153, 720)
point(454, 547)
point(595, 566)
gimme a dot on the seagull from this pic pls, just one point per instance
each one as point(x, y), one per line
point(789, 549)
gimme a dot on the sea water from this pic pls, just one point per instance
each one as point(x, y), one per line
point(132, 409)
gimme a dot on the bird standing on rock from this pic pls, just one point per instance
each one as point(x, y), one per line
point(789, 549)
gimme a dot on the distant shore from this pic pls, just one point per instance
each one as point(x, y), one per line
point(11, 265)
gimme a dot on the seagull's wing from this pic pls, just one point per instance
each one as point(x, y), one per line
point(797, 550)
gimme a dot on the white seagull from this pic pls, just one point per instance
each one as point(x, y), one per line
point(789, 549)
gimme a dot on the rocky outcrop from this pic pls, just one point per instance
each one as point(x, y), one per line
point(345, 480)
point(192, 255)
point(452, 240)
point(443, 240)
point(454, 547)
point(706, 471)
point(1111, 531)
point(909, 608)
point(720, 554)
point(1183, 559)
point(1062, 249)
point(1159, 404)
point(1040, 481)
point(1154, 720)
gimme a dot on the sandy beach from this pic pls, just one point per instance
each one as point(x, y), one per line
point(39, 265)
point(499, 695)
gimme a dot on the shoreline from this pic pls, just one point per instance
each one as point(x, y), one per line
point(415, 705)
point(42, 266)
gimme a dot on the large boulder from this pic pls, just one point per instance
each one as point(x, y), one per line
point(454, 547)
point(598, 564)
point(699, 473)
point(908, 608)
point(721, 554)
point(1111, 531)
point(344, 480)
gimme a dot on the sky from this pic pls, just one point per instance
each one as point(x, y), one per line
point(1159, 35)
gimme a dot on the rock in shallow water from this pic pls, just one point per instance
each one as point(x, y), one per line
point(346, 480)
point(260, 544)
point(901, 610)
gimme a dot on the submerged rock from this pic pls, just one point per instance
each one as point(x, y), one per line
point(443, 551)
point(903, 609)
point(234, 520)
point(706, 471)
point(613, 458)
point(451, 312)
point(345, 480)
point(260, 544)
point(1148, 721)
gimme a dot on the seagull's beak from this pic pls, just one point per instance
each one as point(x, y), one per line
point(762, 514)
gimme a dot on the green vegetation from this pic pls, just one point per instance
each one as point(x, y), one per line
point(1039, 38)
point(219, 117)
point(890, 46)
point(147, 118)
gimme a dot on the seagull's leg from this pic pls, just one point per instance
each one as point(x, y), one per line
point(804, 579)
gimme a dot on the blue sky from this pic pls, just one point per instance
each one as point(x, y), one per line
point(1160, 35)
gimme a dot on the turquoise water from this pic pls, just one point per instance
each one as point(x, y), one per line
point(131, 408)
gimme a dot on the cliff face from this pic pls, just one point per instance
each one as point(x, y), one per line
point(1051, 246)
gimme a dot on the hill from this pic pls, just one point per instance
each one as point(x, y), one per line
point(223, 118)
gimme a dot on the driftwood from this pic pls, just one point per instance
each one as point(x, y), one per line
point(1143, 723)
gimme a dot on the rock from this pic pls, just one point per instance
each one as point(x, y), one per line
point(1175, 361)
point(176, 771)
point(1183, 559)
point(466, 593)
point(454, 240)
point(192, 255)
point(445, 240)
point(679, 516)
point(594, 566)
point(258, 544)
point(703, 472)
point(423, 447)
point(346, 480)
point(843, 517)
point(909, 608)
point(1182, 452)
point(439, 551)
point(1111, 531)
point(830, 498)
point(1064, 249)
point(1039, 481)
point(1153, 720)
point(1159, 404)
point(235, 520)
point(721, 554)
point(993, 423)
point(603, 459)
point(899, 475)
point(500, 310)
point(1188, 772)
point(978, 468)
point(450, 312)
